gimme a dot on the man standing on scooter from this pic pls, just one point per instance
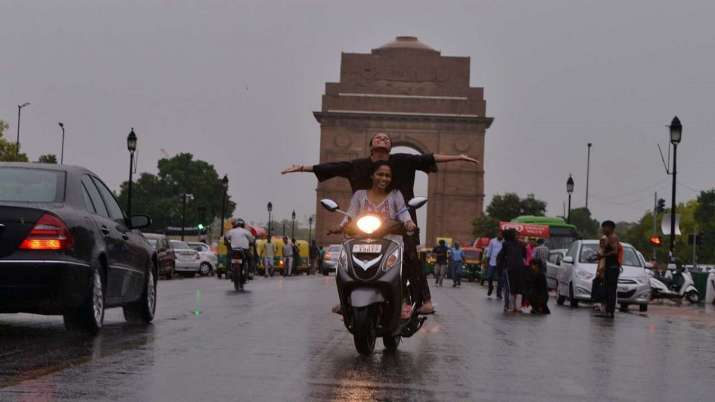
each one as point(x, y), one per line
point(404, 168)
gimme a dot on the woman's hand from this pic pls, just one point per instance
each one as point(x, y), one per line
point(293, 169)
point(410, 227)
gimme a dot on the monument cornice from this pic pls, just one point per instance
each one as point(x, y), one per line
point(320, 116)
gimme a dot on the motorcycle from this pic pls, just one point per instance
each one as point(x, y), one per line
point(369, 281)
point(675, 284)
point(237, 268)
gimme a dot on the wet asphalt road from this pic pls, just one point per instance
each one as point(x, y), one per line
point(278, 342)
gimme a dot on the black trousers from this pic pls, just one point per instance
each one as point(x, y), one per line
point(611, 285)
point(414, 270)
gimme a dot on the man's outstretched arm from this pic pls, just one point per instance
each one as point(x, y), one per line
point(439, 158)
point(297, 168)
point(324, 171)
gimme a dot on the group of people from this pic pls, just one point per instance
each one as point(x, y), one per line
point(448, 258)
point(519, 268)
point(381, 183)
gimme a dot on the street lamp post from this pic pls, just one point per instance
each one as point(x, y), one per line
point(224, 187)
point(62, 149)
point(183, 213)
point(131, 147)
point(569, 189)
point(676, 133)
point(588, 170)
point(310, 229)
point(19, 113)
point(292, 225)
point(269, 207)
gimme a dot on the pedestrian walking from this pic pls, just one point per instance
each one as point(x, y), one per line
point(296, 257)
point(267, 255)
point(287, 257)
point(441, 252)
point(492, 252)
point(456, 256)
point(613, 256)
point(510, 261)
point(314, 256)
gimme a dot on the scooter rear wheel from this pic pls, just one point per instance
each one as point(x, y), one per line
point(693, 297)
point(364, 330)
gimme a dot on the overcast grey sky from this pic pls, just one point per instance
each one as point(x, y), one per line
point(235, 83)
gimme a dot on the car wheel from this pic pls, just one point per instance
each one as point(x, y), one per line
point(572, 300)
point(643, 308)
point(559, 299)
point(623, 307)
point(205, 269)
point(142, 311)
point(89, 316)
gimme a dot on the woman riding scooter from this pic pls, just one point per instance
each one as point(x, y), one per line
point(381, 200)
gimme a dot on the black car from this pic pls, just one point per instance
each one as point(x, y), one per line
point(67, 248)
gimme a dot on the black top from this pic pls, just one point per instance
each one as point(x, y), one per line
point(511, 256)
point(441, 254)
point(357, 172)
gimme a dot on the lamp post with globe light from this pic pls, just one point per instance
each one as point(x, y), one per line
point(569, 190)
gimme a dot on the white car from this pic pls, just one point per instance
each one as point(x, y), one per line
point(575, 280)
point(208, 258)
point(188, 260)
point(553, 267)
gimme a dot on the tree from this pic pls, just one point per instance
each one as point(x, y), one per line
point(485, 226)
point(8, 150)
point(705, 217)
point(586, 226)
point(47, 158)
point(161, 196)
point(508, 206)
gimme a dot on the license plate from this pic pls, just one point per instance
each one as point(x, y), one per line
point(367, 248)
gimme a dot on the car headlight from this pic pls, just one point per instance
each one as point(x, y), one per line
point(392, 260)
point(369, 224)
point(584, 275)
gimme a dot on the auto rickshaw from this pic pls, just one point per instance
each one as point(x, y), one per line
point(278, 266)
point(473, 263)
point(427, 259)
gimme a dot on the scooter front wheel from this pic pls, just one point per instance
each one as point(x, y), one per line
point(693, 297)
point(364, 330)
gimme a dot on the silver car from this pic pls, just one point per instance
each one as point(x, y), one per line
point(553, 267)
point(209, 260)
point(188, 260)
point(575, 280)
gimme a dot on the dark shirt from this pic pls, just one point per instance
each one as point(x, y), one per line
point(357, 172)
point(511, 256)
point(441, 254)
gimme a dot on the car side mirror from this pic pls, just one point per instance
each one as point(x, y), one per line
point(417, 202)
point(567, 260)
point(139, 221)
point(329, 204)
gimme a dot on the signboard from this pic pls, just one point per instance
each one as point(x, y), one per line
point(526, 229)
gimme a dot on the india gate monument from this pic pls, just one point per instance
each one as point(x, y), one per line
point(423, 100)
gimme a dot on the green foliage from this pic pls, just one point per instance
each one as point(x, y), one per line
point(508, 206)
point(705, 217)
point(586, 226)
point(161, 196)
point(485, 226)
point(47, 158)
point(8, 149)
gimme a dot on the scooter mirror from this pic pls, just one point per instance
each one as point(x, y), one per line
point(329, 204)
point(417, 202)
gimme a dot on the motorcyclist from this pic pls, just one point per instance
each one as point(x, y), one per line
point(240, 239)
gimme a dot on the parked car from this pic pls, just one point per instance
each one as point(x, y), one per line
point(553, 267)
point(330, 259)
point(209, 260)
point(579, 269)
point(188, 260)
point(166, 259)
point(67, 248)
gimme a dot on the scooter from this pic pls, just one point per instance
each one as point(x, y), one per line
point(675, 284)
point(369, 281)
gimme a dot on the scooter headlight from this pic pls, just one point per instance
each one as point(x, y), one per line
point(369, 224)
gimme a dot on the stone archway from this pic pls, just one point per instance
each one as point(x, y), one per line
point(422, 100)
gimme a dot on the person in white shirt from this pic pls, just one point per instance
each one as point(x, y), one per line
point(491, 252)
point(268, 253)
point(287, 257)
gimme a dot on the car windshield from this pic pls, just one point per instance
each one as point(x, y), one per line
point(588, 255)
point(196, 246)
point(31, 185)
point(152, 242)
point(471, 254)
point(178, 244)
